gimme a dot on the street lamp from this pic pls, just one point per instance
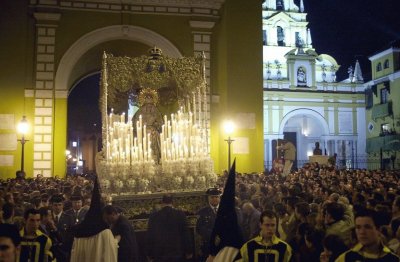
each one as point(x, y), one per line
point(229, 127)
point(23, 127)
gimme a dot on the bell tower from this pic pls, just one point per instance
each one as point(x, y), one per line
point(284, 29)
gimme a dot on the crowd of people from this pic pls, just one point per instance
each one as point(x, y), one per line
point(316, 213)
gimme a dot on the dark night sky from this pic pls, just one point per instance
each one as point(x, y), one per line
point(345, 29)
point(352, 29)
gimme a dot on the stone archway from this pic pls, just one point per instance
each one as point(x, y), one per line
point(64, 80)
point(308, 127)
point(88, 41)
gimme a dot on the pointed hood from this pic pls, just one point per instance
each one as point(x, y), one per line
point(93, 222)
point(226, 231)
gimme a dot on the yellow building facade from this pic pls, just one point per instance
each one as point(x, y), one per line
point(383, 108)
point(49, 46)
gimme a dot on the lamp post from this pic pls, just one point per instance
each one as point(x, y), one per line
point(23, 128)
point(229, 127)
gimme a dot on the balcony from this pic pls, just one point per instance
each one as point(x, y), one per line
point(381, 110)
point(387, 143)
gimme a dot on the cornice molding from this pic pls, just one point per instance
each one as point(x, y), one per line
point(212, 4)
point(47, 16)
point(202, 24)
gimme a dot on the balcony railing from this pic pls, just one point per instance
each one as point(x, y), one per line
point(386, 143)
point(381, 110)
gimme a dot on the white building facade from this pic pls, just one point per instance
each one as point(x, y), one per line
point(303, 101)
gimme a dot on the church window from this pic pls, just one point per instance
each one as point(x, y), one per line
point(264, 37)
point(379, 67)
point(386, 64)
point(369, 98)
point(385, 129)
point(298, 39)
point(279, 5)
point(280, 36)
point(384, 95)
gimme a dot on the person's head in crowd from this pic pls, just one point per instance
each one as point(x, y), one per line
point(214, 196)
point(385, 214)
point(87, 199)
point(396, 206)
point(290, 203)
point(45, 215)
point(247, 208)
point(32, 221)
point(333, 247)
point(301, 231)
point(367, 227)
point(45, 199)
point(314, 207)
point(8, 212)
point(110, 214)
point(312, 218)
point(57, 204)
point(358, 198)
point(344, 201)
point(279, 209)
point(67, 189)
point(313, 239)
point(167, 200)
point(334, 197)
point(268, 225)
point(371, 203)
point(301, 211)
point(10, 243)
point(378, 197)
point(36, 202)
point(9, 198)
point(77, 202)
point(333, 212)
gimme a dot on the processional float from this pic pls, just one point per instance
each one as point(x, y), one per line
point(154, 152)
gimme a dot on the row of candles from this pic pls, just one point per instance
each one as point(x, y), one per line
point(181, 137)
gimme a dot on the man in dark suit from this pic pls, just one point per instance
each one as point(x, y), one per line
point(206, 220)
point(125, 234)
point(168, 238)
point(63, 223)
point(77, 212)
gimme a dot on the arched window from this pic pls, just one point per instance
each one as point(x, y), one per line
point(386, 64)
point(280, 36)
point(279, 5)
point(379, 67)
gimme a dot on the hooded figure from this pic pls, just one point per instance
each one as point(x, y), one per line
point(93, 240)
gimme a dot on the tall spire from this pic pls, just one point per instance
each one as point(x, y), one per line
point(301, 6)
point(357, 76)
point(309, 40)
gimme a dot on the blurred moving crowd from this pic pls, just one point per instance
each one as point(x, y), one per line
point(317, 209)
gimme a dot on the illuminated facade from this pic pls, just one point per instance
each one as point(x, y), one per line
point(52, 45)
point(383, 109)
point(303, 101)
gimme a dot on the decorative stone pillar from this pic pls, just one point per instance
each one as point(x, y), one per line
point(46, 24)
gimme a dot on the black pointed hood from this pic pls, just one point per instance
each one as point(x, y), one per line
point(93, 222)
point(226, 231)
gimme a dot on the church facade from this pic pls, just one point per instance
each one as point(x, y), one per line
point(303, 101)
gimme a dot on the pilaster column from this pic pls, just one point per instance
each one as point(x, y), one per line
point(46, 25)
